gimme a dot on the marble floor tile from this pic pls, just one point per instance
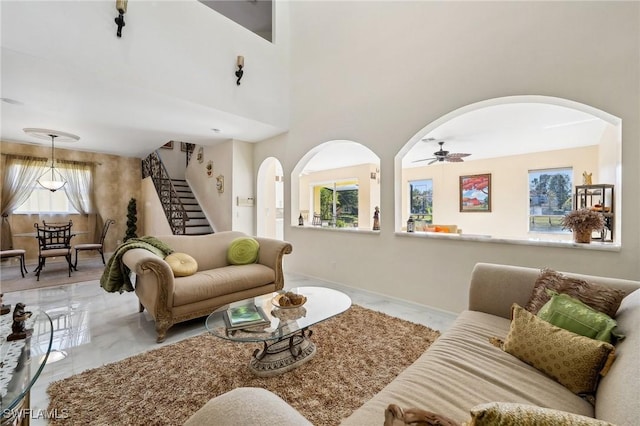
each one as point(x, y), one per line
point(101, 328)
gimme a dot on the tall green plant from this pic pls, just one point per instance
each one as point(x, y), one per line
point(132, 218)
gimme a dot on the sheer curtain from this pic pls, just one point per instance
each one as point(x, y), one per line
point(79, 190)
point(17, 185)
point(79, 187)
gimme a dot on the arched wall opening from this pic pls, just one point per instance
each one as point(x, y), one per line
point(270, 199)
point(508, 139)
point(336, 185)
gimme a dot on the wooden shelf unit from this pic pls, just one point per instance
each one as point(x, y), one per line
point(599, 198)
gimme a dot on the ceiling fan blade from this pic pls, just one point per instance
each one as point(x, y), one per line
point(423, 159)
point(457, 155)
point(454, 160)
point(435, 160)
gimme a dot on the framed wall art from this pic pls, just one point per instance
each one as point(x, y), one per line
point(168, 145)
point(475, 193)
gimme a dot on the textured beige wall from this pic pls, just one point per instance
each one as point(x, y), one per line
point(117, 179)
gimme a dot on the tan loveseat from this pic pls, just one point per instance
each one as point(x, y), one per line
point(462, 369)
point(171, 300)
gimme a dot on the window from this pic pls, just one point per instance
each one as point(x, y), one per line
point(421, 200)
point(549, 198)
point(336, 185)
point(42, 200)
point(337, 203)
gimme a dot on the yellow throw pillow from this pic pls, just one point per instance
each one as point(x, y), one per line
point(512, 414)
point(182, 264)
point(575, 361)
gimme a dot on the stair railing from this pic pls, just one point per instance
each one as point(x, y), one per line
point(176, 214)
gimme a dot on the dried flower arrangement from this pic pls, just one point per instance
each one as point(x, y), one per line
point(583, 220)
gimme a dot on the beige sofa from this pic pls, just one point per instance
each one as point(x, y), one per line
point(171, 300)
point(462, 369)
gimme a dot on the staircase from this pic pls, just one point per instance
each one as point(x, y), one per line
point(196, 222)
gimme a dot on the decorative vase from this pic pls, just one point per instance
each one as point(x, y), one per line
point(582, 236)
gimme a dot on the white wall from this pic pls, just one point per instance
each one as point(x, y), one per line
point(154, 220)
point(243, 185)
point(216, 206)
point(384, 70)
point(232, 160)
point(174, 160)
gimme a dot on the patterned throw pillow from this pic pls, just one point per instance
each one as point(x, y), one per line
point(571, 314)
point(575, 361)
point(512, 414)
point(602, 298)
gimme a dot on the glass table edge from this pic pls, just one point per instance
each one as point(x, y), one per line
point(20, 397)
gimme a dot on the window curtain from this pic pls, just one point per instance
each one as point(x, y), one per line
point(17, 185)
point(79, 190)
point(79, 187)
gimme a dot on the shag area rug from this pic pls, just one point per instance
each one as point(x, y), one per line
point(358, 353)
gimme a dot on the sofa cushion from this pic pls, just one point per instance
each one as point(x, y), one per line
point(510, 414)
point(243, 251)
point(181, 264)
point(601, 298)
point(573, 360)
point(617, 396)
point(571, 314)
point(212, 283)
point(461, 370)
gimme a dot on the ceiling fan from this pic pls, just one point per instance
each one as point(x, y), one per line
point(441, 155)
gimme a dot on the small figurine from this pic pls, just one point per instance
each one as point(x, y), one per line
point(586, 178)
point(376, 219)
point(4, 309)
point(18, 328)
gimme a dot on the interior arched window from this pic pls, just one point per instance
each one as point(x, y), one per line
point(511, 168)
point(338, 187)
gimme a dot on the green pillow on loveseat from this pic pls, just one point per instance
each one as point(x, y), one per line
point(571, 314)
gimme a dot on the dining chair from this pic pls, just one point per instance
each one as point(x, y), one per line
point(99, 246)
point(19, 253)
point(53, 241)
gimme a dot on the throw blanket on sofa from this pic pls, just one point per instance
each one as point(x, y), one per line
point(116, 274)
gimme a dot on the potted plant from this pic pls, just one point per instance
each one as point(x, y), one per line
point(583, 222)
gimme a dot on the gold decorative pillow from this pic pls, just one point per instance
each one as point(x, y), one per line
point(575, 361)
point(512, 414)
point(182, 264)
point(599, 297)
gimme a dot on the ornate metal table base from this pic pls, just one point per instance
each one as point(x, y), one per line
point(283, 355)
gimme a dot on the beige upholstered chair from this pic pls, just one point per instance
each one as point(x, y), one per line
point(99, 246)
point(19, 253)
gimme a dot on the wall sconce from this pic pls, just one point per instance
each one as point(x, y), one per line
point(121, 5)
point(239, 73)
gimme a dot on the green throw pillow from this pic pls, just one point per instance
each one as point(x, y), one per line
point(571, 314)
point(243, 251)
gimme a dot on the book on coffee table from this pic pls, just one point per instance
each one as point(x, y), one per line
point(246, 316)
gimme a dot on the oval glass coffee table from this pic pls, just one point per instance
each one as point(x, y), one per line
point(285, 338)
point(21, 362)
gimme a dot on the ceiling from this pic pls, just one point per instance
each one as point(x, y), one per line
point(509, 129)
point(50, 79)
point(55, 87)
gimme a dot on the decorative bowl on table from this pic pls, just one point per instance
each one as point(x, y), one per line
point(288, 300)
point(289, 314)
